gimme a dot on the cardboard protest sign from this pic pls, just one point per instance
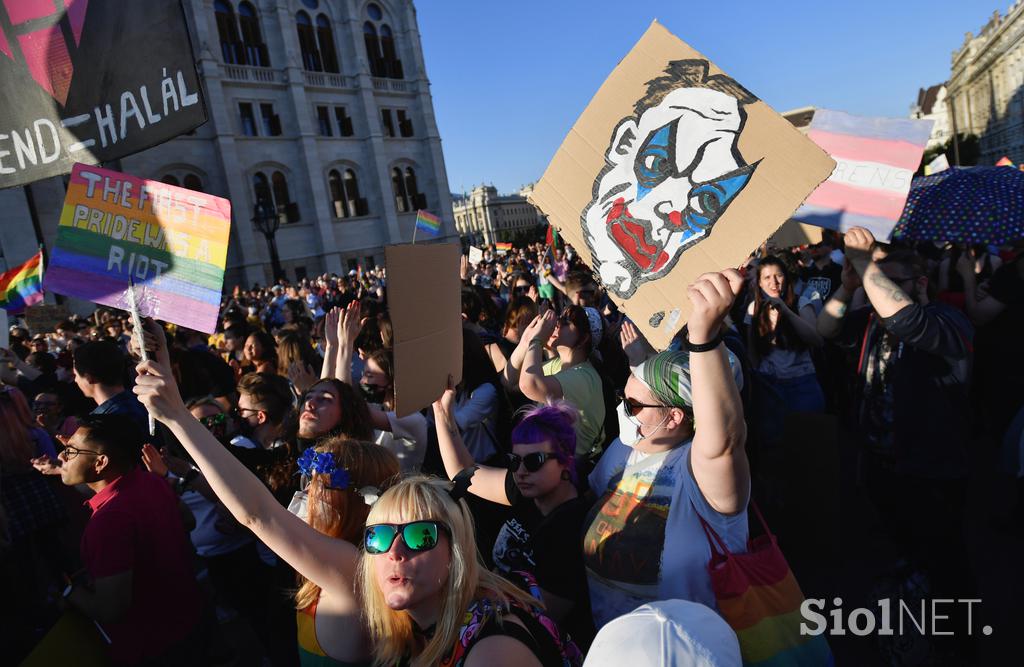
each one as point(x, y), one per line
point(91, 81)
point(940, 163)
point(673, 170)
point(172, 241)
point(426, 316)
point(44, 318)
point(875, 161)
point(476, 255)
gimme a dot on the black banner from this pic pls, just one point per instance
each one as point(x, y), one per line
point(91, 81)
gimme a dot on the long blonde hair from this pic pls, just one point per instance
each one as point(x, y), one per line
point(391, 632)
point(341, 513)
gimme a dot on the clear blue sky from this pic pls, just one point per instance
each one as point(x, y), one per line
point(509, 78)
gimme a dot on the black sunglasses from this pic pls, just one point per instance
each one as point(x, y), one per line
point(634, 407)
point(533, 461)
point(417, 536)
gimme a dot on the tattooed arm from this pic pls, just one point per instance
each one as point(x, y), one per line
point(885, 295)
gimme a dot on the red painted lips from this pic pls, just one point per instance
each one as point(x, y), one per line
point(634, 239)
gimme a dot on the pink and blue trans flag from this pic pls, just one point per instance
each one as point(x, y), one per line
point(875, 162)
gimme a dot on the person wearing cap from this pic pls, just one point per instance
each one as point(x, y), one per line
point(669, 633)
point(569, 374)
point(679, 458)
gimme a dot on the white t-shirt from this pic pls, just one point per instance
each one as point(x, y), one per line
point(644, 541)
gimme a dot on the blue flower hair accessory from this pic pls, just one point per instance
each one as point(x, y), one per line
point(322, 463)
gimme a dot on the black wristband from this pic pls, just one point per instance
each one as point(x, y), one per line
point(703, 347)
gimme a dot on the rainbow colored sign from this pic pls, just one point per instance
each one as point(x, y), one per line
point(172, 241)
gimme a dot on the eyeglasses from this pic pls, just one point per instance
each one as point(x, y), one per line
point(71, 452)
point(634, 407)
point(533, 461)
point(241, 411)
point(417, 536)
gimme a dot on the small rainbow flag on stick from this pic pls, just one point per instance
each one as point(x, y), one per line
point(22, 286)
point(503, 247)
point(428, 223)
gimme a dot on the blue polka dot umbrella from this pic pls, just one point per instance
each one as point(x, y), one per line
point(965, 205)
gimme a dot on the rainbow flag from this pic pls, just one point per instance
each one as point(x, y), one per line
point(1004, 162)
point(428, 223)
point(22, 286)
point(502, 247)
point(875, 161)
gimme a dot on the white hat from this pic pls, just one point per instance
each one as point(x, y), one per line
point(670, 633)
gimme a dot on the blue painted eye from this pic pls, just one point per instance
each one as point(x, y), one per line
point(654, 161)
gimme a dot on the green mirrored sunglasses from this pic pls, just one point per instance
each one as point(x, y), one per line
point(417, 536)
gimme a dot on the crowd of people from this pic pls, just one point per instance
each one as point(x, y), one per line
point(556, 503)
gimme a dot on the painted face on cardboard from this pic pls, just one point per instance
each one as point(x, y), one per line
point(670, 174)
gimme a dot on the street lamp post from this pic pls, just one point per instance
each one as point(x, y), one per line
point(267, 221)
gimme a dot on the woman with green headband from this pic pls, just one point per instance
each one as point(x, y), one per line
point(662, 476)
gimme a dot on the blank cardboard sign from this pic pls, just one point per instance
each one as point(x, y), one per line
point(673, 170)
point(424, 299)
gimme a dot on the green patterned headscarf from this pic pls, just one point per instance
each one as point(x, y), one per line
point(667, 375)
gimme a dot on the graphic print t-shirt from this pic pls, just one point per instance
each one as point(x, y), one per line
point(644, 541)
point(550, 548)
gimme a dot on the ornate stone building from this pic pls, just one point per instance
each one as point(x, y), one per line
point(985, 86)
point(484, 216)
point(932, 104)
point(319, 108)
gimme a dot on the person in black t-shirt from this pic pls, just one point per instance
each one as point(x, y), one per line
point(823, 275)
point(543, 535)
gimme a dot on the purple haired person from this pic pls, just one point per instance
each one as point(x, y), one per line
point(541, 540)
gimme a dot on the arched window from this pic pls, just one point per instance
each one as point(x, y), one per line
point(256, 53)
point(230, 45)
point(339, 205)
point(380, 45)
point(193, 182)
point(170, 180)
point(325, 38)
point(358, 204)
point(261, 189)
point(345, 199)
point(416, 199)
point(373, 52)
point(307, 43)
point(287, 211)
point(398, 187)
point(392, 64)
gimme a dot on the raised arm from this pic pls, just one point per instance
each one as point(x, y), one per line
point(830, 319)
point(718, 457)
point(331, 339)
point(983, 310)
point(349, 324)
point(328, 562)
point(487, 482)
point(513, 369)
point(532, 382)
point(885, 296)
point(804, 323)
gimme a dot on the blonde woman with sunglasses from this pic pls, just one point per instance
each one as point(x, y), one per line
point(417, 583)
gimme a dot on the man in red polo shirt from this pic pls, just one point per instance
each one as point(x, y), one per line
point(142, 590)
